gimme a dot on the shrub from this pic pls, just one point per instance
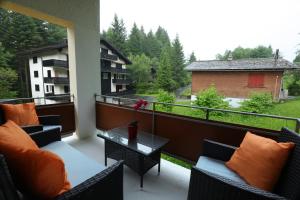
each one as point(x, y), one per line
point(211, 99)
point(165, 97)
point(258, 103)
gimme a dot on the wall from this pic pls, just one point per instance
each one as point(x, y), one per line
point(234, 84)
point(82, 21)
point(36, 81)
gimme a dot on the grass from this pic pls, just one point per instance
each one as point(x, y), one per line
point(176, 161)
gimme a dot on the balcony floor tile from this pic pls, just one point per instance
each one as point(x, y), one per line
point(171, 184)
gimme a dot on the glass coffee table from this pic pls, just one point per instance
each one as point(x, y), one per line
point(140, 154)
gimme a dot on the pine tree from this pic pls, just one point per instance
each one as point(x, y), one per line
point(164, 74)
point(163, 37)
point(116, 35)
point(192, 58)
point(178, 63)
point(152, 46)
point(134, 43)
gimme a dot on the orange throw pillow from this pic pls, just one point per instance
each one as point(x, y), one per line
point(259, 160)
point(21, 114)
point(40, 172)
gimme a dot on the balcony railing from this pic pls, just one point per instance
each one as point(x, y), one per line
point(107, 56)
point(57, 80)
point(56, 63)
point(121, 81)
point(186, 133)
point(114, 70)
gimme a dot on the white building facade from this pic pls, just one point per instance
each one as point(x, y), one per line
point(49, 72)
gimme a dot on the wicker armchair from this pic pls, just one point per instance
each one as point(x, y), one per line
point(205, 184)
point(107, 184)
point(46, 122)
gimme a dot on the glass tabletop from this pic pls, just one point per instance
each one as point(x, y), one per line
point(145, 143)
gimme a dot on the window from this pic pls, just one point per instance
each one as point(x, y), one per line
point(36, 74)
point(66, 89)
point(47, 88)
point(37, 87)
point(105, 76)
point(256, 80)
point(119, 66)
point(49, 73)
point(34, 59)
point(105, 51)
point(52, 88)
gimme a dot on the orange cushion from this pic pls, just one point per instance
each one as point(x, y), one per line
point(13, 139)
point(40, 172)
point(21, 114)
point(259, 160)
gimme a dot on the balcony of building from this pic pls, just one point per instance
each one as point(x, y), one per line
point(56, 63)
point(107, 56)
point(114, 70)
point(57, 80)
point(121, 81)
point(86, 114)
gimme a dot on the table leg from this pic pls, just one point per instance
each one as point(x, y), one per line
point(142, 181)
point(105, 154)
point(159, 167)
point(105, 160)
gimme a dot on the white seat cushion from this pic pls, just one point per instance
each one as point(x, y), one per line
point(79, 167)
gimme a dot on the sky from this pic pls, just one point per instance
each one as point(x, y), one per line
point(209, 27)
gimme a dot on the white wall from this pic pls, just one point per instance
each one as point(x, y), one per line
point(82, 21)
point(36, 81)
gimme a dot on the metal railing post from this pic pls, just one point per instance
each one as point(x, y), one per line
point(297, 126)
point(153, 117)
point(207, 114)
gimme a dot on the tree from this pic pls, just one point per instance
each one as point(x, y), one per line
point(297, 58)
point(163, 37)
point(240, 53)
point(140, 71)
point(134, 43)
point(152, 46)
point(8, 77)
point(164, 73)
point(211, 99)
point(165, 97)
point(116, 34)
point(178, 63)
point(5, 56)
point(192, 58)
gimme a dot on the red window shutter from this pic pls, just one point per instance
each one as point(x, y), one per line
point(256, 80)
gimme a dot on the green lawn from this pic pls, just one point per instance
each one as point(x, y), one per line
point(289, 108)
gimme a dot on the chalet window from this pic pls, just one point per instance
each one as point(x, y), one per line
point(47, 88)
point(105, 51)
point(36, 74)
point(34, 59)
point(256, 80)
point(49, 73)
point(119, 66)
point(66, 89)
point(104, 76)
point(52, 88)
point(37, 87)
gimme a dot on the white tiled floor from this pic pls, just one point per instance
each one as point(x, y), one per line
point(171, 184)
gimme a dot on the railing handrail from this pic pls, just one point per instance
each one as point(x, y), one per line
point(209, 109)
point(33, 98)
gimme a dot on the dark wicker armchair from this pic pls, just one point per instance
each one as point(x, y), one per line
point(210, 185)
point(107, 184)
point(47, 122)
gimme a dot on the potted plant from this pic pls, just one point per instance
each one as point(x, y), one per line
point(133, 126)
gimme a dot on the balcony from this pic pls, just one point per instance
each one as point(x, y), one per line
point(121, 81)
point(57, 80)
point(107, 56)
point(114, 70)
point(56, 63)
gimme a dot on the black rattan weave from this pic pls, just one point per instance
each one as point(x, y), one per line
point(208, 186)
